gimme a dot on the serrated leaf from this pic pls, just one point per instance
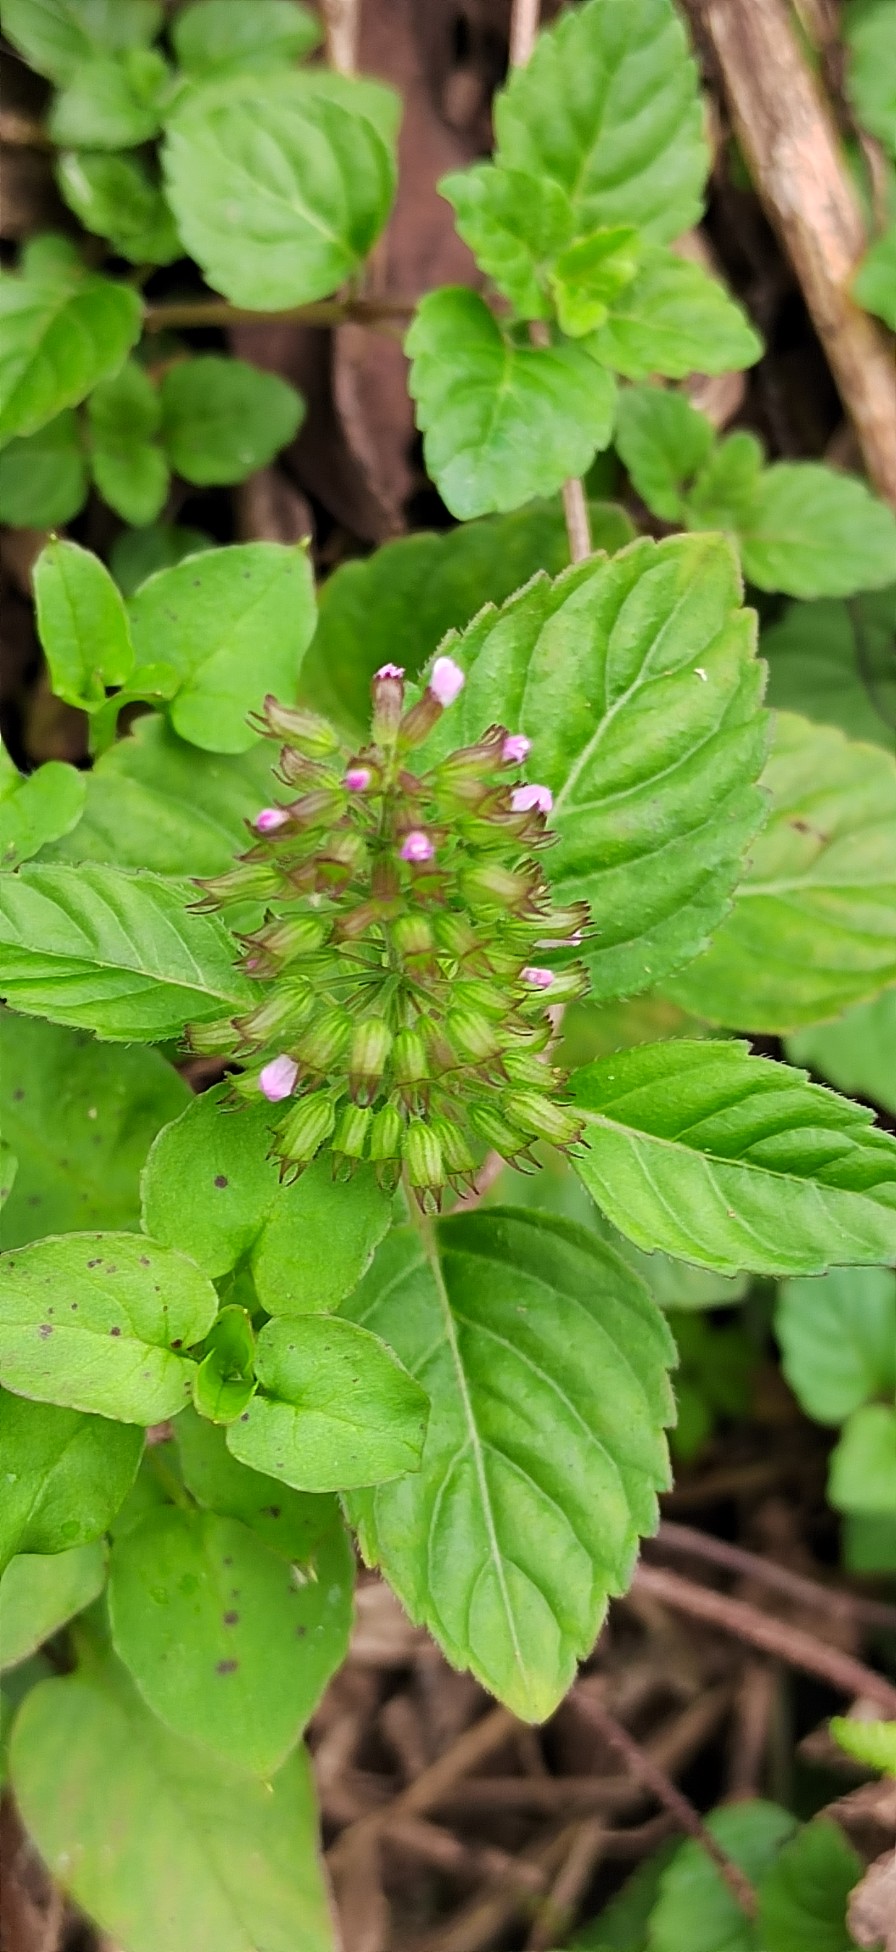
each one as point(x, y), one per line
point(59, 340)
point(293, 1522)
point(234, 623)
point(340, 1410)
point(838, 1338)
point(213, 37)
point(813, 532)
point(723, 494)
point(871, 1742)
point(515, 225)
point(672, 318)
point(857, 1053)
point(279, 188)
point(64, 1476)
point(207, 1618)
point(112, 102)
point(733, 1161)
point(833, 661)
point(862, 1472)
point(240, 1857)
point(54, 35)
point(804, 1897)
point(874, 284)
point(129, 467)
point(545, 1361)
point(628, 146)
point(222, 419)
point(695, 1907)
point(115, 197)
point(39, 1593)
point(105, 1338)
point(871, 73)
point(43, 476)
point(636, 682)
point(813, 927)
point(36, 809)
point(82, 624)
point(117, 953)
point(663, 441)
point(588, 276)
point(398, 603)
point(501, 422)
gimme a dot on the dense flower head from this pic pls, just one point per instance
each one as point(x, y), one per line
point(403, 1013)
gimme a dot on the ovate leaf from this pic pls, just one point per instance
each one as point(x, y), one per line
point(90, 1762)
point(54, 35)
point(279, 188)
point(39, 1593)
point(64, 1476)
point(804, 1897)
point(81, 1118)
point(833, 661)
point(116, 197)
point(628, 146)
point(545, 1361)
point(129, 467)
point(59, 338)
point(838, 1338)
point(862, 1475)
point(112, 952)
point(222, 419)
point(340, 1408)
point(502, 422)
point(695, 1906)
point(214, 37)
point(138, 553)
point(294, 1524)
point(82, 623)
point(857, 1053)
point(228, 1643)
point(813, 927)
point(37, 809)
point(733, 1161)
point(813, 532)
point(515, 225)
point(94, 1322)
point(674, 319)
point(663, 441)
point(112, 101)
point(637, 684)
point(43, 476)
point(234, 623)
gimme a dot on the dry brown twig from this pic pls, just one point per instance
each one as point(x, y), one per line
point(688, 1541)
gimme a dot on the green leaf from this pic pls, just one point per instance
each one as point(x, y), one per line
point(137, 554)
point(207, 1619)
point(590, 275)
point(695, 1907)
point(112, 102)
point(398, 603)
point(222, 419)
point(724, 492)
point(628, 143)
point(40, 1593)
point(874, 284)
point(663, 441)
point(38, 808)
point(129, 466)
point(153, 801)
point(82, 623)
point(871, 74)
point(107, 1342)
point(64, 1476)
point(804, 1897)
point(862, 1474)
point(515, 225)
point(117, 953)
point(59, 339)
point(224, 1381)
point(211, 1188)
point(115, 197)
point(636, 682)
point(234, 622)
point(733, 1161)
point(215, 37)
point(833, 661)
point(838, 1339)
point(623, 1925)
point(857, 1053)
point(546, 1361)
point(80, 1117)
point(55, 35)
point(43, 476)
point(674, 319)
point(342, 1410)
point(240, 1860)
point(813, 532)
point(9, 1167)
point(868, 1542)
point(871, 1742)
point(501, 422)
point(813, 927)
point(294, 1525)
point(279, 189)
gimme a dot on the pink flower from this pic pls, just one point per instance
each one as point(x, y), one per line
point(538, 979)
point(389, 671)
point(276, 1080)
point(515, 749)
point(447, 680)
point(529, 799)
point(269, 819)
point(358, 778)
point(417, 846)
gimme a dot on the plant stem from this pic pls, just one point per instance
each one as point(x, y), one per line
point(381, 313)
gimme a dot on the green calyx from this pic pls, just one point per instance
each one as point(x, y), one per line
point(403, 1014)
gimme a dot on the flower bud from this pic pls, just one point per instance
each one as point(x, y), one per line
point(566, 985)
point(371, 1044)
point(253, 881)
point(528, 1068)
point(319, 808)
point(455, 937)
point(495, 1131)
point(290, 940)
point(275, 1020)
point(357, 778)
point(325, 1039)
point(474, 993)
point(269, 819)
point(297, 770)
point(385, 1135)
point(352, 1130)
point(418, 722)
point(313, 735)
point(410, 1063)
point(423, 1157)
point(388, 703)
point(446, 681)
point(303, 1131)
point(277, 1079)
point(488, 884)
point(477, 761)
point(218, 1039)
point(413, 937)
point(542, 1117)
point(471, 1035)
point(417, 847)
point(516, 749)
point(455, 1151)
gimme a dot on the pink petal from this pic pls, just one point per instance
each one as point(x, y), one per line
point(276, 1079)
point(528, 799)
point(515, 749)
point(417, 846)
point(538, 979)
point(269, 819)
point(447, 680)
point(390, 671)
point(358, 778)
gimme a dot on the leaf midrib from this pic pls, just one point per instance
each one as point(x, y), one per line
point(740, 1164)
